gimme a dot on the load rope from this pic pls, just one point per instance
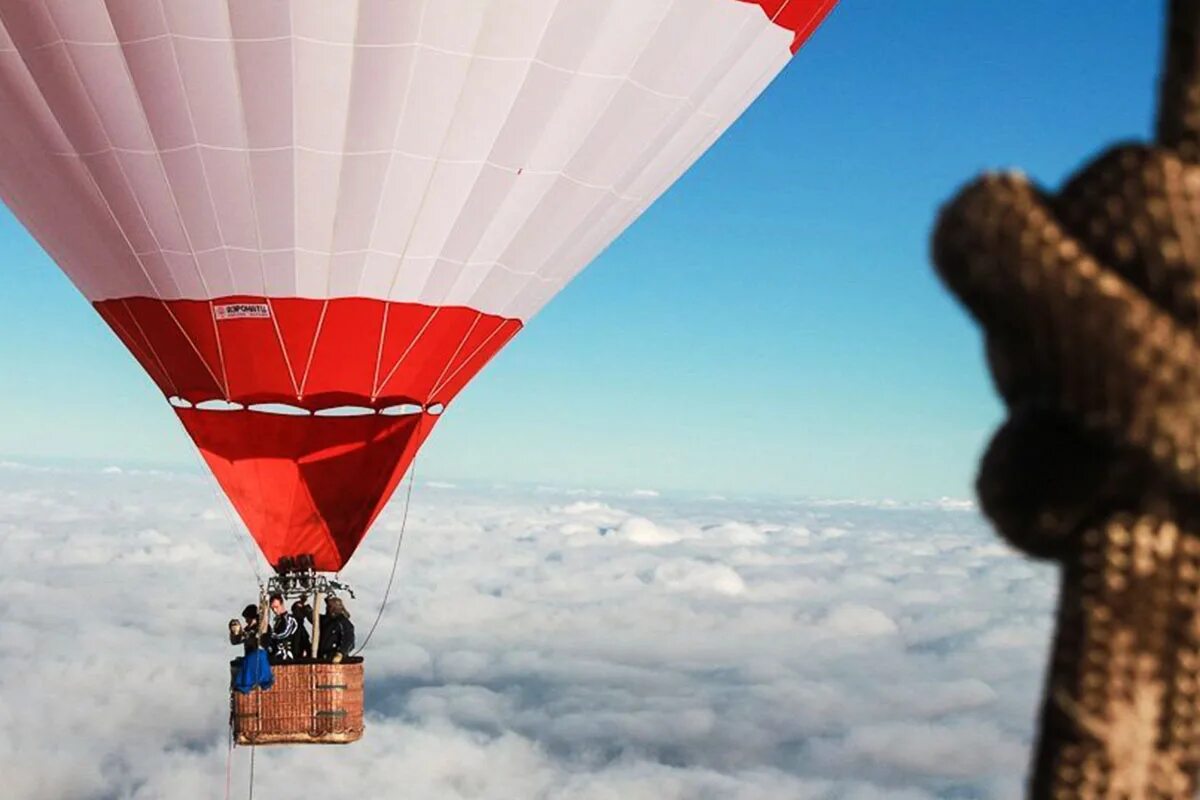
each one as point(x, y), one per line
point(1090, 304)
point(229, 760)
point(412, 473)
point(233, 529)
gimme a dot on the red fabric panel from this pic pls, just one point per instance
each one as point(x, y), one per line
point(154, 332)
point(802, 17)
point(422, 359)
point(457, 377)
point(121, 321)
point(421, 347)
point(298, 323)
point(347, 346)
point(307, 484)
point(400, 334)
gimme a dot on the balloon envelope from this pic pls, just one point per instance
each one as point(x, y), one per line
point(325, 204)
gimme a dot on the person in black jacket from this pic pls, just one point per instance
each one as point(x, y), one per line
point(283, 641)
point(302, 613)
point(337, 632)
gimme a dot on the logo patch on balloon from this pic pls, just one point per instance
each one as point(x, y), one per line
point(242, 311)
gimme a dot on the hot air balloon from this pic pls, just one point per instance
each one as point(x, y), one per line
point(343, 210)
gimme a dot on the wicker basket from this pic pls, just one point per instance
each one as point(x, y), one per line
point(309, 704)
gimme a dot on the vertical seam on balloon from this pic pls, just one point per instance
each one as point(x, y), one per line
point(187, 104)
point(337, 197)
point(669, 132)
point(291, 506)
point(424, 199)
point(312, 349)
point(153, 353)
point(672, 175)
point(457, 350)
point(323, 530)
point(204, 173)
point(387, 173)
point(574, 75)
point(358, 518)
point(626, 80)
point(445, 380)
point(806, 30)
point(253, 198)
point(779, 11)
point(295, 190)
point(378, 389)
point(87, 169)
point(387, 304)
point(432, 174)
point(187, 236)
point(408, 455)
point(487, 161)
point(241, 105)
point(112, 214)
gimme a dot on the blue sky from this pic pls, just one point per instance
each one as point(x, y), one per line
point(828, 361)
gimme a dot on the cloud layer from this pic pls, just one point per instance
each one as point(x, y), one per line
point(539, 644)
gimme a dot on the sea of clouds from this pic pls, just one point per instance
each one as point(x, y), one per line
point(540, 643)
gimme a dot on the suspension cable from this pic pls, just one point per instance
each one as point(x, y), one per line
point(412, 473)
point(234, 530)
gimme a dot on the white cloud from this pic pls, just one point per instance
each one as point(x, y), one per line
point(709, 648)
point(689, 575)
point(851, 619)
point(640, 530)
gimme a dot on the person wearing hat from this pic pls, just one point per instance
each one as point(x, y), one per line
point(253, 670)
point(337, 632)
point(246, 633)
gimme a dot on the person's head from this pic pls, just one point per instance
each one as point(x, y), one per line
point(336, 607)
point(250, 613)
point(298, 608)
point(277, 603)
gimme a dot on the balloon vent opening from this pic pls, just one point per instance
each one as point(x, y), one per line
point(288, 409)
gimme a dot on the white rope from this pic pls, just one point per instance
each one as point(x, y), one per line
point(250, 796)
point(229, 761)
point(412, 474)
point(234, 529)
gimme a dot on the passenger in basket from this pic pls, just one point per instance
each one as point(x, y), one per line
point(246, 633)
point(283, 632)
point(302, 613)
point(337, 632)
point(253, 671)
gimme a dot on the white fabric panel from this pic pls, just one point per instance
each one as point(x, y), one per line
point(449, 152)
point(737, 82)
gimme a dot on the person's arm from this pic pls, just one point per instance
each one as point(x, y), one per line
point(289, 628)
